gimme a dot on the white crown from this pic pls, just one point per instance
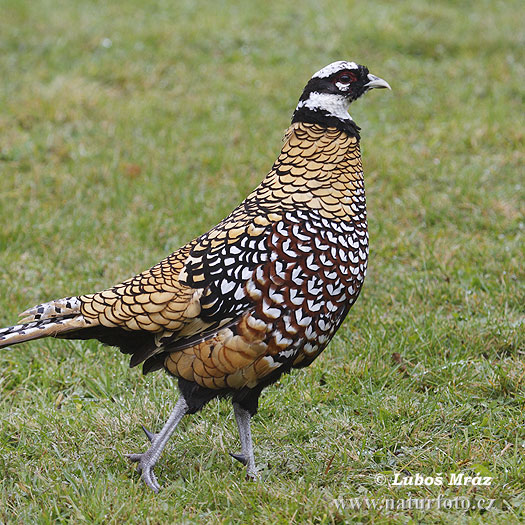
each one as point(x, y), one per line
point(334, 67)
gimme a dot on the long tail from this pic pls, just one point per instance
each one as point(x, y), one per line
point(45, 320)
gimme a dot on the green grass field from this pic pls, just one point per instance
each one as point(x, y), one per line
point(128, 128)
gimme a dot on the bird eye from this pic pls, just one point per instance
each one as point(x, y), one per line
point(346, 78)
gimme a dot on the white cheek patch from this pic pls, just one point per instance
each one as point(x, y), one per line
point(334, 105)
point(342, 87)
point(334, 67)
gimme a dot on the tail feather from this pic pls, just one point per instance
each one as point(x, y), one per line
point(19, 333)
point(63, 319)
point(45, 320)
point(53, 309)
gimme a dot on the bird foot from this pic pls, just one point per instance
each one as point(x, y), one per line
point(145, 468)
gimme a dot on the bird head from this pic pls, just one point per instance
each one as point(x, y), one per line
point(330, 91)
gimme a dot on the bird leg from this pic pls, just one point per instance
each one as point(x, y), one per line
point(147, 460)
point(243, 417)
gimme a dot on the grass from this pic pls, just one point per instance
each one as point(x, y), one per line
point(128, 128)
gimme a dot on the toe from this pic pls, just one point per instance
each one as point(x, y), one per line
point(134, 457)
point(151, 480)
point(145, 468)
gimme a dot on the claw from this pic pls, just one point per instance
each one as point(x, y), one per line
point(145, 468)
point(239, 457)
point(149, 435)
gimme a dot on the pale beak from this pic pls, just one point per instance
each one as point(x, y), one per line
point(376, 82)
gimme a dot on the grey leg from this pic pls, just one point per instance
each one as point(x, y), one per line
point(243, 417)
point(147, 460)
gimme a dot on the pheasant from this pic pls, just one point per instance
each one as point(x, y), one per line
point(259, 294)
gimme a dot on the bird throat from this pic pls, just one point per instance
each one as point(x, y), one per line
point(327, 110)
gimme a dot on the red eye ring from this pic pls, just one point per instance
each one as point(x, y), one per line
point(346, 77)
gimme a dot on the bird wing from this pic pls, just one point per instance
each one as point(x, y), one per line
point(154, 301)
point(192, 293)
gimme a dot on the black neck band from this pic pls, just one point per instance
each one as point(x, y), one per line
point(322, 118)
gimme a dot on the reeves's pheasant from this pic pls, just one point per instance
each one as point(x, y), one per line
point(262, 292)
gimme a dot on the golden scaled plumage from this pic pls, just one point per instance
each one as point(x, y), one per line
point(318, 169)
point(226, 359)
point(155, 300)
